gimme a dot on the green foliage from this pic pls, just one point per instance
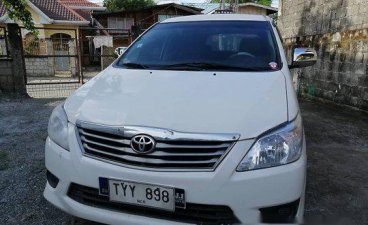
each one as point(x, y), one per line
point(16, 10)
point(265, 2)
point(262, 2)
point(113, 5)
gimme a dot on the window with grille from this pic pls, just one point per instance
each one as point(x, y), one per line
point(119, 23)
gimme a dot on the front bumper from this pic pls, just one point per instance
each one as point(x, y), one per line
point(244, 192)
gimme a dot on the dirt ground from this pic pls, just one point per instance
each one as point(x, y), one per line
point(337, 142)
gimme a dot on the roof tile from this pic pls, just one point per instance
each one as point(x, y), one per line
point(56, 10)
point(82, 3)
point(61, 9)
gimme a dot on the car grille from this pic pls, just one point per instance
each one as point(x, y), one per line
point(193, 213)
point(203, 153)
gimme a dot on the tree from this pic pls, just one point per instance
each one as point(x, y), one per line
point(16, 10)
point(262, 2)
point(265, 2)
point(114, 5)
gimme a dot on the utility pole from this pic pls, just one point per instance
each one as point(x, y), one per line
point(222, 5)
point(236, 7)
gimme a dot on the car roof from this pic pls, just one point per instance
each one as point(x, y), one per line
point(217, 17)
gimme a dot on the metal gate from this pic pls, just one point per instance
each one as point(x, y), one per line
point(51, 56)
point(52, 63)
point(58, 61)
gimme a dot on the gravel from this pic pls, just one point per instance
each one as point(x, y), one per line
point(337, 184)
point(23, 130)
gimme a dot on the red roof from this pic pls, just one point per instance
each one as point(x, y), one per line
point(80, 3)
point(56, 10)
point(62, 9)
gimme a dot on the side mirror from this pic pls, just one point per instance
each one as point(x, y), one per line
point(303, 57)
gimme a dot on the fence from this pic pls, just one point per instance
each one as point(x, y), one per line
point(98, 48)
point(51, 56)
point(4, 52)
point(54, 62)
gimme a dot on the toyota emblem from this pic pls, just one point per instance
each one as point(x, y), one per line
point(142, 143)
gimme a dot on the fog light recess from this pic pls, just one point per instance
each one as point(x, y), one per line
point(52, 179)
point(280, 214)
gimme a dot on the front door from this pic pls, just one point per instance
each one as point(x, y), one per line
point(61, 48)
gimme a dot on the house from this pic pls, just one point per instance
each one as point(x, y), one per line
point(58, 14)
point(121, 27)
point(253, 8)
point(142, 18)
point(207, 7)
point(244, 8)
point(57, 22)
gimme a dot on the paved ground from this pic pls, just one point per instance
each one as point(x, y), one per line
point(337, 188)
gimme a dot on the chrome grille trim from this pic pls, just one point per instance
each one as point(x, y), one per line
point(174, 151)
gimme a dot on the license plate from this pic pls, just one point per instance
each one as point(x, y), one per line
point(148, 195)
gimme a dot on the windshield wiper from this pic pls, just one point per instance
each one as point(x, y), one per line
point(183, 66)
point(209, 66)
point(135, 65)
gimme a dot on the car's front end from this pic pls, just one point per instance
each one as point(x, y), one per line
point(217, 196)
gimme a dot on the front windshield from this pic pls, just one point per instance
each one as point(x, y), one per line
point(205, 45)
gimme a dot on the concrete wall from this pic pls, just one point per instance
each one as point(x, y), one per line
point(108, 58)
point(338, 29)
point(73, 51)
point(6, 75)
point(40, 66)
point(2, 47)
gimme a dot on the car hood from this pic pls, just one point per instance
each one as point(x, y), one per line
point(186, 101)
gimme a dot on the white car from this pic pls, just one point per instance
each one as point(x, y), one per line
point(196, 123)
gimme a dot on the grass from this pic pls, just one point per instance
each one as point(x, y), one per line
point(4, 164)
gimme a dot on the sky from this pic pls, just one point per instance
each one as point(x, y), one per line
point(275, 3)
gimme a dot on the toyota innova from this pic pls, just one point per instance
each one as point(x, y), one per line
point(197, 122)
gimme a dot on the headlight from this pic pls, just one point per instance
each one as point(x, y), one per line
point(281, 147)
point(58, 127)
